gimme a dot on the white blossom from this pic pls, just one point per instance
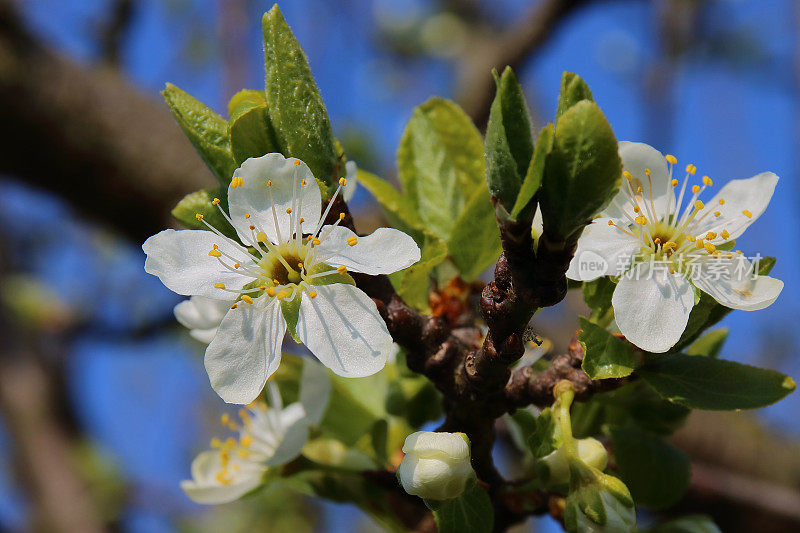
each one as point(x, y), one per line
point(291, 273)
point(436, 465)
point(663, 246)
point(268, 435)
point(202, 316)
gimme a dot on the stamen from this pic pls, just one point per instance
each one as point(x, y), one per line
point(246, 298)
point(711, 236)
point(312, 294)
point(215, 201)
point(707, 181)
point(219, 285)
point(198, 216)
point(725, 234)
point(237, 182)
point(214, 253)
point(352, 241)
point(747, 213)
point(691, 169)
point(710, 248)
point(671, 159)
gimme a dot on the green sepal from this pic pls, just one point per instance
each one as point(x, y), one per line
point(472, 512)
point(291, 314)
point(296, 110)
point(252, 134)
point(509, 143)
point(524, 208)
point(710, 344)
point(199, 202)
point(245, 100)
point(582, 174)
point(206, 130)
point(573, 90)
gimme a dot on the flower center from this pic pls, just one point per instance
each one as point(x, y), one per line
point(284, 265)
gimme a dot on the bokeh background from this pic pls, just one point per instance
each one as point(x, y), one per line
point(99, 387)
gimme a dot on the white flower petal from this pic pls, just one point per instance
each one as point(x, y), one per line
point(342, 328)
point(636, 157)
point(245, 352)
point(385, 251)
point(602, 250)
point(203, 335)
point(315, 391)
point(180, 260)
point(652, 306)
point(291, 444)
point(253, 197)
point(204, 488)
point(199, 312)
point(351, 173)
point(439, 444)
point(751, 195)
point(731, 283)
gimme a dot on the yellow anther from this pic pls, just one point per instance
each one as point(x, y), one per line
point(341, 269)
point(312, 294)
point(300, 265)
point(215, 201)
point(219, 285)
point(225, 419)
point(315, 241)
point(352, 241)
point(215, 247)
point(302, 220)
point(288, 210)
point(341, 216)
point(236, 265)
point(725, 234)
point(699, 243)
point(717, 213)
point(641, 219)
point(674, 182)
point(747, 213)
point(627, 174)
point(297, 162)
point(691, 169)
point(247, 299)
point(261, 236)
point(690, 238)
point(215, 442)
point(276, 282)
point(244, 415)
point(722, 201)
point(707, 181)
point(639, 189)
point(262, 287)
point(699, 205)
point(710, 236)
point(647, 171)
point(198, 216)
point(246, 441)
point(244, 454)
point(342, 181)
point(695, 189)
point(282, 295)
point(636, 209)
point(710, 248)
point(234, 306)
point(237, 182)
point(303, 182)
point(271, 292)
point(729, 255)
point(656, 241)
point(247, 215)
point(252, 226)
point(222, 478)
point(669, 245)
point(214, 253)
point(610, 222)
point(670, 159)
point(269, 183)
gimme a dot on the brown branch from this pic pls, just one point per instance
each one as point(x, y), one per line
point(115, 30)
point(89, 136)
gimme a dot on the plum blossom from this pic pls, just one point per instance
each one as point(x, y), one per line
point(202, 316)
point(664, 246)
point(267, 436)
point(290, 273)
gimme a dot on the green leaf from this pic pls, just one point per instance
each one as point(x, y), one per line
point(413, 283)
point(639, 404)
point(414, 398)
point(509, 143)
point(656, 473)
point(200, 202)
point(709, 344)
point(475, 243)
point(397, 206)
point(701, 382)
point(708, 312)
point(582, 174)
point(206, 130)
point(472, 512)
point(296, 110)
point(687, 524)
point(606, 356)
point(252, 134)
point(573, 90)
point(535, 172)
point(245, 100)
point(441, 163)
point(597, 295)
point(291, 314)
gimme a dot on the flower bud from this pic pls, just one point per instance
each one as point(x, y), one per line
point(436, 465)
point(554, 468)
point(597, 502)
